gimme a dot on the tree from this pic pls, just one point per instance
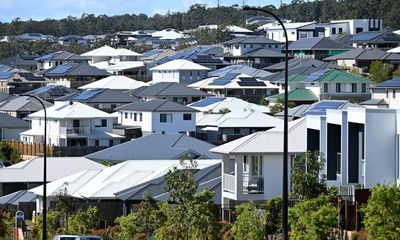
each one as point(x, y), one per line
point(273, 215)
point(52, 221)
point(396, 73)
point(9, 152)
point(313, 219)
point(382, 213)
point(83, 221)
point(279, 106)
point(6, 223)
point(64, 205)
point(380, 71)
point(306, 180)
point(249, 223)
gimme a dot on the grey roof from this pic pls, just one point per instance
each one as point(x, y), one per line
point(5, 96)
point(375, 102)
point(156, 105)
point(74, 70)
point(318, 43)
point(19, 60)
point(169, 89)
point(295, 112)
point(209, 177)
point(375, 37)
point(306, 70)
point(100, 95)
point(301, 62)
point(52, 91)
point(392, 83)
point(365, 54)
point(252, 40)
point(7, 121)
point(157, 146)
point(241, 69)
point(17, 197)
point(62, 55)
point(262, 52)
point(22, 104)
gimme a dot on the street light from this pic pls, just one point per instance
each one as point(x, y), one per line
point(285, 130)
point(44, 236)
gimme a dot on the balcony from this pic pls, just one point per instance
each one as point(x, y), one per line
point(75, 131)
point(229, 183)
point(250, 184)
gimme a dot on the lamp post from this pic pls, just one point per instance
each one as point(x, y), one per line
point(44, 236)
point(285, 130)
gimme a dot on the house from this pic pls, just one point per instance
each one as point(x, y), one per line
point(160, 116)
point(180, 71)
point(254, 51)
point(25, 62)
point(16, 81)
point(217, 104)
point(331, 84)
point(383, 40)
point(237, 85)
point(51, 92)
point(295, 31)
point(301, 62)
point(171, 91)
point(316, 47)
point(92, 39)
point(74, 75)
point(259, 20)
point(362, 58)
point(55, 59)
point(115, 82)
point(359, 144)
point(252, 165)
point(226, 126)
point(237, 68)
point(35, 37)
point(169, 146)
point(11, 127)
point(298, 96)
point(29, 173)
point(383, 95)
point(103, 99)
point(72, 124)
point(21, 106)
point(168, 34)
point(67, 40)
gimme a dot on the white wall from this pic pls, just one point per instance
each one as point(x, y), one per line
point(387, 94)
point(177, 124)
point(165, 76)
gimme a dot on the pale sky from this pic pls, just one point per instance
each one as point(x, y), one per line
point(57, 9)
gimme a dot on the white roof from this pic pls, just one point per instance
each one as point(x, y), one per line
point(395, 50)
point(115, 82)
point(179, 64)
point(233, 84)
point(63, 110)
point(125, 52)
point(238, 119)
point(396, 31)
point(233, 28)
point(121, 66)
point(103, 51)
point(168, 34)
point(108, 181)
point(57, 167)
point(270, 141)
point(232, 103)
point(291, 25)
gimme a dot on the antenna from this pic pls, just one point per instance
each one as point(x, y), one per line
point(218, 3)
point(243, 4)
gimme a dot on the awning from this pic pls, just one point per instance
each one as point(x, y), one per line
point(210, 129)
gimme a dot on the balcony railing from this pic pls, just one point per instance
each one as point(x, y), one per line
point(253, 184)
point(76, 131)
point(229, 183)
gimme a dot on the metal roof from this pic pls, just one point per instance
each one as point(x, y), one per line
point(252, 40)
point(156, 105)
point(318, 43)
point(169, 89)
point(365, 54)
point(75, 69)
point(7, 121)
point(302, 62)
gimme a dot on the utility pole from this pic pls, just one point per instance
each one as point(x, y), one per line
point(218, 3)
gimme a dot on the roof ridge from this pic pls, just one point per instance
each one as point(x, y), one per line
point(246, 142)
point(177, 140)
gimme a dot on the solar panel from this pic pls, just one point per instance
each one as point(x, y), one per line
point(207, 101)
point(61, 69)
point(6, 75)
point(87, 94)
point(222, 71)
point(365, 36)
point(42, 90)
point(62, 107)
point(31, 77)
point(225, 79)
point(49, 56)
point(248, 79)
point(251, 84)
point(321, 107)
point(316, 75)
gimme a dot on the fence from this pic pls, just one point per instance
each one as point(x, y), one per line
point(31, 149)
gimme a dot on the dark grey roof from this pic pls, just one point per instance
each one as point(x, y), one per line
point(156, 105)
point(392, 83)
point(241, 69)
point(252, 40)
point(375, 37)
point(52, 91)
point(317, 43)
point(75, 70)
point(264, 52)
point(22, 104)
point(365, 54)
point(169, 89)
point(17, 197)
point(19, 60)
point(301, 62)
point(306, 70)
point(99, 95)
point(70, 56)
point(157, 146)
point(375, 102)
point(295, 112)
point(7, 121)
point(4, 97)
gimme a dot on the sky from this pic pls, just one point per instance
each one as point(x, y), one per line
point(57, 9)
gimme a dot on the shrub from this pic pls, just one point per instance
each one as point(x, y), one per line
point(249, 223)
point(83, 221)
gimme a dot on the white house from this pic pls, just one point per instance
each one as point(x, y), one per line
point(180, 71)
point(115, 82)
point(252, 165)
point(160, 116)
point(72, 124)
point(58, 58)
point(385, 95)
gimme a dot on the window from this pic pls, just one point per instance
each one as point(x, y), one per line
point(256, 165)
point(333, 31)
point(364, 87)
point(245, 165)
point(174, 99)
point(140, 116)
point(251, 46)
point(340, 30)
point(354, 87)
point(236, 131)
point(358, 30)
point(293, 33)
point(187, 116)
point(130, 115)
point(338, 87)
point(303, 35)
point(111, 142)
point(104, 122)
point(236, 46)
point(394, 93)
point(325, 87)
point(135, 117)
point(166, 118)
point(126, 115)
point(40, 122)
point(190, 73)
point(387, 93)
point(97, 142)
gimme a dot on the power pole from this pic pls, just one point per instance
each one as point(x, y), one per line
point(218, 3)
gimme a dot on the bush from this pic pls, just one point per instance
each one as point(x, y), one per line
point(313, 219)
point(127, 226)
point(6, 223)
point(52, 220)
point(83, 221)
point(273, 215)
point(382, 213)
point(7, 152)
point(249, 223)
